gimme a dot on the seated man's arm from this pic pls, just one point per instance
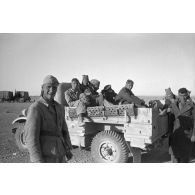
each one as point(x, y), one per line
point(69, 100)
point(65, 131)
point(137, 100)
point(124, 95)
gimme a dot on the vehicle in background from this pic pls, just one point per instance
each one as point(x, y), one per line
point(22, 96)
point(6, 96)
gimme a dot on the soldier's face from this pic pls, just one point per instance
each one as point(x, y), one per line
point(49, 91)
point(96, 86)
point(74, 85)
point(129, 86)
point(183, 97)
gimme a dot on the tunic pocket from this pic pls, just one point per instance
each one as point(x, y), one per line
point(49, 146)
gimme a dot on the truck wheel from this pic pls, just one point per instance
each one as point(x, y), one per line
point(19, 137)
point(109, 147)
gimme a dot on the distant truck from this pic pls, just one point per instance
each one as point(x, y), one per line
point(22, 96)
point(6, 96)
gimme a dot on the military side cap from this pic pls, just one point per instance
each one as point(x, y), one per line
point(95, 82)
point(49, 79)
point(183, 91)
point(107, 87)
point(169, 93)
point(129, 81)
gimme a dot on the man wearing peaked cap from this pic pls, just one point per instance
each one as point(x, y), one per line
point(88, 97)
point(49, 88)
point(46, 134)
point(169, 93)
point(183, 136)
point(126, 96)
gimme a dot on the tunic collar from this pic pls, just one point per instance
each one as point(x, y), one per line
point(43, 101)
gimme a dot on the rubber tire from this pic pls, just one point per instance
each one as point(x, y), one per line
point(117, 140)
point(19, 137)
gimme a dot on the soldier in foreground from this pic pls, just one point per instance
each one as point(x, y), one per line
point(46, 133)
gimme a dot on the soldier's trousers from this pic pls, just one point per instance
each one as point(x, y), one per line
point(82, 106)
point(55, 160)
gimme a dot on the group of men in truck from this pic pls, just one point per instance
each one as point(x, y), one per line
point(47, 136)
point(85, 94)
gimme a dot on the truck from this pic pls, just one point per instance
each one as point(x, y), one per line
point(22, 96)
point(112, 133)
point(116, 132)
point(6, 96)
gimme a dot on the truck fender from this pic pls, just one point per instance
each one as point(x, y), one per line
point(20, 120)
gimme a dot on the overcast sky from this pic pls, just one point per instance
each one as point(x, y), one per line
point(153, 61)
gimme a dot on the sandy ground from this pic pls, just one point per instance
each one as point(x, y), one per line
point(9, 152)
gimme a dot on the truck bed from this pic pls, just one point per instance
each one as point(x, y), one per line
point(141, 126)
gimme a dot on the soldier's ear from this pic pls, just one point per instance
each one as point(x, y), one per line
point(41, 90)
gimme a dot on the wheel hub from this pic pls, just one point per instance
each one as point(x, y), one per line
point(107, 151)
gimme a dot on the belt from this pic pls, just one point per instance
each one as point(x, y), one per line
point(50, 133)
point(56, 134)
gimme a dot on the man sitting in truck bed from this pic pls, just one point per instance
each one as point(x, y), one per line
point(126, 96)
point(75, 97)
point(109, 96)
point(72, 94)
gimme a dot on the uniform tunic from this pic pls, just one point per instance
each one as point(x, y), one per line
point(126, 96)
point(180, 142)
point(46, 133)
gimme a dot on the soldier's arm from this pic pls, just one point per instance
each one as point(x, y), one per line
point(67, 141)
point(69, 100)
point(32, 134)
point(123, 95)
point(130, 98)
point(137, 100)
point(193, 112)
point(66, 135)
point(65, 131)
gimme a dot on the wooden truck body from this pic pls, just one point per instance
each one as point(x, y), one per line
point(140, 128)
